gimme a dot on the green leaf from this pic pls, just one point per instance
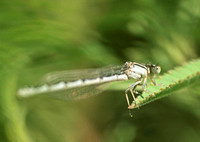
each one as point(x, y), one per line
point(173, 80)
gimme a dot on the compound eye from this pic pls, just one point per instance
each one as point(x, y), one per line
point(158, 69)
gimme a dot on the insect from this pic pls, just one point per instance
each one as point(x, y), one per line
point(72, 85)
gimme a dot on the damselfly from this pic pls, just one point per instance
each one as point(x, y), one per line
point(84, 83)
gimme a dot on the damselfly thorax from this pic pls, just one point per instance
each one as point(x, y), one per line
point(72, 85)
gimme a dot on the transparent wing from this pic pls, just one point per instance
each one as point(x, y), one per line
point(73, 75)
point(82, 91)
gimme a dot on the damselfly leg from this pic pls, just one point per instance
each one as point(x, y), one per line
point(144, 85)
point(154, 83)
point(132, 89)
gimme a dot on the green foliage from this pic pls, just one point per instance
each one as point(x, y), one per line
point(168, 83)
point(39, 37)
point(171, 81)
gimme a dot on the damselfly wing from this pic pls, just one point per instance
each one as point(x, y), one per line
point(75, 84)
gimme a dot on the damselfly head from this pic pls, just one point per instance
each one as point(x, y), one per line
point(155, 69)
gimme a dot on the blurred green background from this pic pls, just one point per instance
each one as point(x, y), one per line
point(40, 36)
